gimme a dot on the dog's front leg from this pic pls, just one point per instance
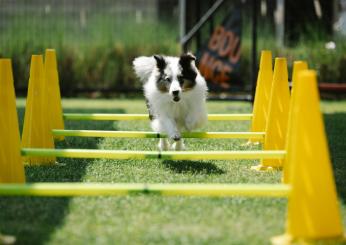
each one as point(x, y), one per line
point(165, 125)
point(171, 129)
point(179, 145)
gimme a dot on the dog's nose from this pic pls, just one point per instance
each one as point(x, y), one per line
point(175, 92)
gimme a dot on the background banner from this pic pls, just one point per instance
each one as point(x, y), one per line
point(219, 59)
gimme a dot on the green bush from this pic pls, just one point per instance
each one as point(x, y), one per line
point(93, 59)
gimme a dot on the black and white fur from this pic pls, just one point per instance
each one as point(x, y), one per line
point(176, 95)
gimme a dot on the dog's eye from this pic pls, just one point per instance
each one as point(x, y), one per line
point(167, 79)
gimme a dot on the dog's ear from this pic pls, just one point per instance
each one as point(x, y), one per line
point(186, 59)
point(160, 62)
point(188, 56)
point(189, 70)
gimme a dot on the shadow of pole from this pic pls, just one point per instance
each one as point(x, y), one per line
point(193, 167)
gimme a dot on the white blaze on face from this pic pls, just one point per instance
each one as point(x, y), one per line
point(175, 88)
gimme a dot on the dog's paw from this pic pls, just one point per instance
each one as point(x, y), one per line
point(176, 137)
point(163, 145)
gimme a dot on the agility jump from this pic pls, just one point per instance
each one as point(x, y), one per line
point(308, 178)
point(271, 113)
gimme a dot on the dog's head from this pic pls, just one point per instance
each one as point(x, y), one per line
point(176, 75)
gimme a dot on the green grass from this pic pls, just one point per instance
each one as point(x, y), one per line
point(155, 219)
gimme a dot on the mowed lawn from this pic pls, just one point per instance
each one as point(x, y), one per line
point(153, 219)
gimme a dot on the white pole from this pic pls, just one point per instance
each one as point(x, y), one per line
point(280, 22)
point(182, 18)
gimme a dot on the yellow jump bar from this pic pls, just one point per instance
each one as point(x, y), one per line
point(127, 117)
point(168, 155)
point(140, 134)
point(106, 189)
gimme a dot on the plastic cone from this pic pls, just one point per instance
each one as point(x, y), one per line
point(298, 66)
point(11, 165)
point(53, 91)
point(276, 127)
point(37, 131)
point(262, 97)
point(313, 211)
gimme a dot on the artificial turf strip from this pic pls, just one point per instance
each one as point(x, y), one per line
point(152, 219)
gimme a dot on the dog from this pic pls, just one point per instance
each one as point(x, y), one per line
point(175, 95)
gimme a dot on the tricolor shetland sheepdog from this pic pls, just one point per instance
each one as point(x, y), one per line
point(175, 93)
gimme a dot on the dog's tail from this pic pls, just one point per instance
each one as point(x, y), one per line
point(143, 67)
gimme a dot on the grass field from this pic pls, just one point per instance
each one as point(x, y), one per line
point(143, 219)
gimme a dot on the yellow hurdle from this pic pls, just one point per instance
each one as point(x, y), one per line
point(128, 117)
point(37, 130)
point(165, 155)
point(144, 134)
point(53, 92)
point(11, 165)
point(104, 189)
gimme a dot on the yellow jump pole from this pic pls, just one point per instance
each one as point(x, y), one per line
point(313, 210)
point(143, 134)
point(128, 117)
point(11, 165)
point(98, 189)
point(168, 155)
